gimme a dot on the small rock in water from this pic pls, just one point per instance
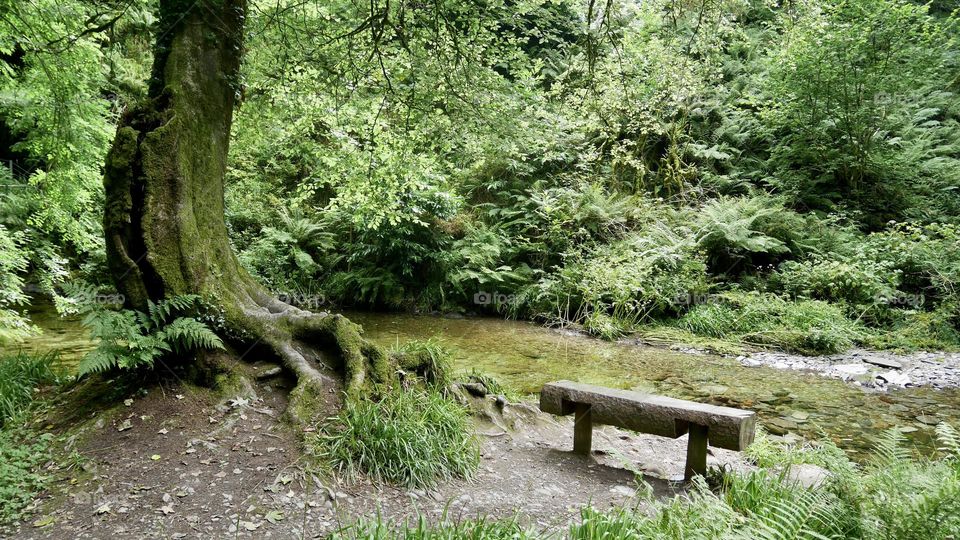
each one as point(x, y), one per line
point(928, 420)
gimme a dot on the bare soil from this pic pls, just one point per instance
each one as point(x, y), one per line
point(175, 461)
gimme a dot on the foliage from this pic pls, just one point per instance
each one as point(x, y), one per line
point(130, 339)
point(601, 167)
point(20, 376)
point(410, 437)
point(21, 457)
point(13, 326)
point(807, 326)
point(475, 529)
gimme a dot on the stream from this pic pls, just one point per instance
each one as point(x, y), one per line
point(523, 356)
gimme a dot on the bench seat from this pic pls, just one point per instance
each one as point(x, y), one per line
point(724, 427)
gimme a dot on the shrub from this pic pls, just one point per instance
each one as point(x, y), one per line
point(614, 287)
point(861, 282)
point(410, 437)
point(734, 232)
point(20, 374)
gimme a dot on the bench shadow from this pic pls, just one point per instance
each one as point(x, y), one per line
point(598, 468)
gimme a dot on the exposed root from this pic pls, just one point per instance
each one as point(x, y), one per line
point(327, 354)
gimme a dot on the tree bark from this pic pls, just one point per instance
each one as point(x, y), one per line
point(164, 222)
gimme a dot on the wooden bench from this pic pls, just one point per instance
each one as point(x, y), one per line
point(724, 427)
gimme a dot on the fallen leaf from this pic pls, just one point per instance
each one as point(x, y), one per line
point(249, 525)
point(128, 402)
point(44, 521)
point(155, 457)
point(102, 509)
point(166, 509)
point(274, 516)
point(125, 426)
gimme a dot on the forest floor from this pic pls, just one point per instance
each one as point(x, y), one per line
point(176, 461)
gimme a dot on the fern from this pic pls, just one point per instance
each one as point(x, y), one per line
point(949, 440)
point(130, 339)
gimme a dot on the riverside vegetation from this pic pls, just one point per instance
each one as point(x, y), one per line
point(782, 175)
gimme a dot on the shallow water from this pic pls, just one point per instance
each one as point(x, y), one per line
point(524, 356)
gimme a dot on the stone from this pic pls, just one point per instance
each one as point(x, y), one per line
point(807, 475)
point(883, 362)
point(800, 416)
point(894, 378)
point(928, 420)
point(270, 373)
point(851, 369)
point(475, 389)
point(907, 429)
point(780, 426)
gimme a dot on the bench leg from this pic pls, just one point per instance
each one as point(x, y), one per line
point(582, 429)
point(696, 452)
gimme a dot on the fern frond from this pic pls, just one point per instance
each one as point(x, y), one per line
point(186, 334)
point(949, 439)
point(98, 360)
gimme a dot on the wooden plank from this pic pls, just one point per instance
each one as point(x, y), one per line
point(648, 413)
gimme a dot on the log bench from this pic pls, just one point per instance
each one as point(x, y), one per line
point(724, 427)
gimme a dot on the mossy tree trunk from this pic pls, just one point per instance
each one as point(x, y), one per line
point(164, 220)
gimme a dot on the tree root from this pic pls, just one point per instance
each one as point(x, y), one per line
point(328, 355)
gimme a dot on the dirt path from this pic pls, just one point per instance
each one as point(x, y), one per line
point(178, 462)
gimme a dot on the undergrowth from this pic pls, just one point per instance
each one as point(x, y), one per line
point(21, 456)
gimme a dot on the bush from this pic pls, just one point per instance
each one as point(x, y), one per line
point(748, 231)
point(409, 437)
point(807, 326)
point(861, 282)
point(615, 287)
point(20, 375)
point(131, 339)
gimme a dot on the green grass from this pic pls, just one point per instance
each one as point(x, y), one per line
point(20, 375)
point(432, 358)
point(804, 326)
point(475, 529)
point(410, 437)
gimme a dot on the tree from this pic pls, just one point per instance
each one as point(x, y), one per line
point(164, 214)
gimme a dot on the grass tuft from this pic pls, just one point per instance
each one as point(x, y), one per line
point(410, 437)
point(20, 375)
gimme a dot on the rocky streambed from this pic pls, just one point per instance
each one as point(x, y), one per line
point(872, 370)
